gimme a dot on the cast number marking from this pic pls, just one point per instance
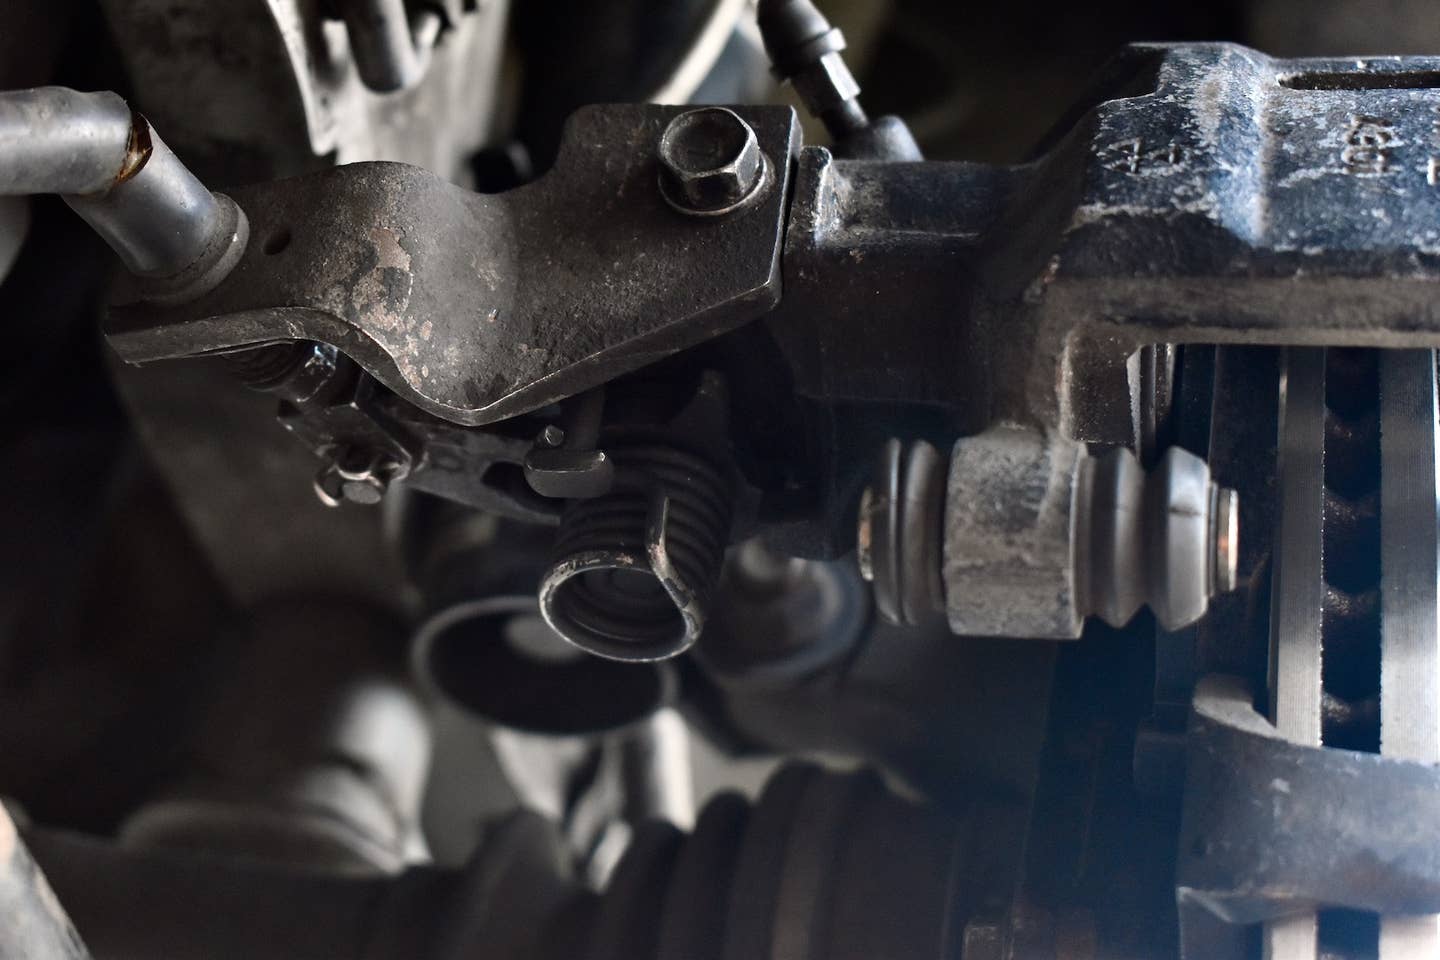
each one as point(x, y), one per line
point(1368, 146)
point(1139, 157)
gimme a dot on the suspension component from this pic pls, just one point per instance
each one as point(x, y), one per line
point(633, 570)
point(1028, 535)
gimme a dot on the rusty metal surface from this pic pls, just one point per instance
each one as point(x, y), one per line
point(477, 307)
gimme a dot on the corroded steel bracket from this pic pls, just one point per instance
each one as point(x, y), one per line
point(480, 307)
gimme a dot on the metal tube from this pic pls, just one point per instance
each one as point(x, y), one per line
point(161, 219)
point(120, 177)
point(33, 924)
point(57, 140)
point(391, 51)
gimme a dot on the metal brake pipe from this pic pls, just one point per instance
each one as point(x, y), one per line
point(111, 168)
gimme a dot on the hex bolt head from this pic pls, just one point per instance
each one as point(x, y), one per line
point(710, 162)
point(356, 475)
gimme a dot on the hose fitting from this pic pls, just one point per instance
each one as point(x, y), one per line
point(112, 169)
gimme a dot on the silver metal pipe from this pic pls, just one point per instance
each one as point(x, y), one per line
point(117, 174)
point(57, 140)
point(159, 220)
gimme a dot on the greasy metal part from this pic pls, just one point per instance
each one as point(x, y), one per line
point(825, 866)
point(282, 98)
point(564, 463)
point(299, 373)
point(358, 428)
point(1297, 586)
point(901, 529)
point(1248, 788)
point(116, 173)
point(391, 46)
point(36, 926)
point(805, 50)
point(711, 164)
point(416, 280)
point(1063, 269)
point(1410, 577)
point(1038, 536)
point(314, 753)
point(1197, 199)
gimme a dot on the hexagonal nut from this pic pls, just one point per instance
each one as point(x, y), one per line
point(710, 161)
point(826, 84)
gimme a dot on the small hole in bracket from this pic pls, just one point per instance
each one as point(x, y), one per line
point(277, 242)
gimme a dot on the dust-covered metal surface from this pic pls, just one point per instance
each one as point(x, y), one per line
point(1244, 200)
point(1255, 805)
point(1207, 194)
point(478, 307)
